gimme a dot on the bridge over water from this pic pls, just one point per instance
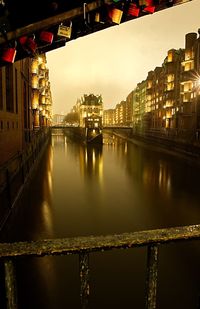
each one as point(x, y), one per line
point(39, 27)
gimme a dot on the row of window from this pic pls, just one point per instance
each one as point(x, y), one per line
point(11, 104)
point(8, 125)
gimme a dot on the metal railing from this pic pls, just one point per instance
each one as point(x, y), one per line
point(83, 246)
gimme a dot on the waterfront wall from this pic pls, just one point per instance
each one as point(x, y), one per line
point(177, 143)
point(16, 172)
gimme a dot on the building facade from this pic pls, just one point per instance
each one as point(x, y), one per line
point(109, 117)
point(25, 105)
point(90, 106)
point(15, 113)
point(168, 101)
point(41, 93)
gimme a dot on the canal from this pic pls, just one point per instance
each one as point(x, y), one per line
point(110, 189)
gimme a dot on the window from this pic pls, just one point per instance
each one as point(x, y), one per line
point(170, 56)
point(170, 78)
point(189, 66)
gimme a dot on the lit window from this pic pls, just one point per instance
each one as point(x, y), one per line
point(170, 78)
point(170, 56)
point(170, 86)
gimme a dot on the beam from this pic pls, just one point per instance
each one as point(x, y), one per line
point(99, 243)
point(51, 21)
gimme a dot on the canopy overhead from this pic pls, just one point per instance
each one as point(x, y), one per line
point(31, 28)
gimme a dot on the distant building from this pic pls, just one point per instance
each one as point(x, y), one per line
point(58, 119)
point(90, 106)
point(109, 117)
point(168, 101)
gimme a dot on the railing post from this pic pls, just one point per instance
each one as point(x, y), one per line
point(152, 274)
point(10, 285)
point(84, 280)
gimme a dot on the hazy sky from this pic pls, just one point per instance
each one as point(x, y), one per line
point(111, 62)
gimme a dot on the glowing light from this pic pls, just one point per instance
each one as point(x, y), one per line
point(198, 82)
point(40, 60)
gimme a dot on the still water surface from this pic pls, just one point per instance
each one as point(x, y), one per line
point(115, 188)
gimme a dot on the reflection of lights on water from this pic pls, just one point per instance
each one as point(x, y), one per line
point(65, 143)
point(51, 159)
point(161, 177)
point(49, 177)
point(92, 163)
point(49, 169)
point(93, 159)
point(101, 170)
point(164, 180)
point(47, 217)
point(125, 148)
point(169, 184)
point(86, 158)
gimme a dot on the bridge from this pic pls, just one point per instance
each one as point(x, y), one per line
point(36, 27)
point(84, 246)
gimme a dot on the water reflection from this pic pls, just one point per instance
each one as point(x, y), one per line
point(33, 220)
point(46, 205)
point(118, 187)
point(91, 162)
point(34, 210)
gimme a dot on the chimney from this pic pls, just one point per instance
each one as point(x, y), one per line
point(190, 39)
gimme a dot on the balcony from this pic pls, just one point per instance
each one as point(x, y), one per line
point(187, 76)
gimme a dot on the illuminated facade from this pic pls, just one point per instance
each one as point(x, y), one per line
point(25, 104)
point(58, 119)
point(41, 102)
point(139, 106)
point(109, 117)
point(121, 115)
point(129, 109)
point(15, 113)
point(189, 83)
point(168, 101)
point(90, 106)
point(171, 95)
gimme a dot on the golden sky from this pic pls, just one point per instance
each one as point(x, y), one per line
point(111, 62)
